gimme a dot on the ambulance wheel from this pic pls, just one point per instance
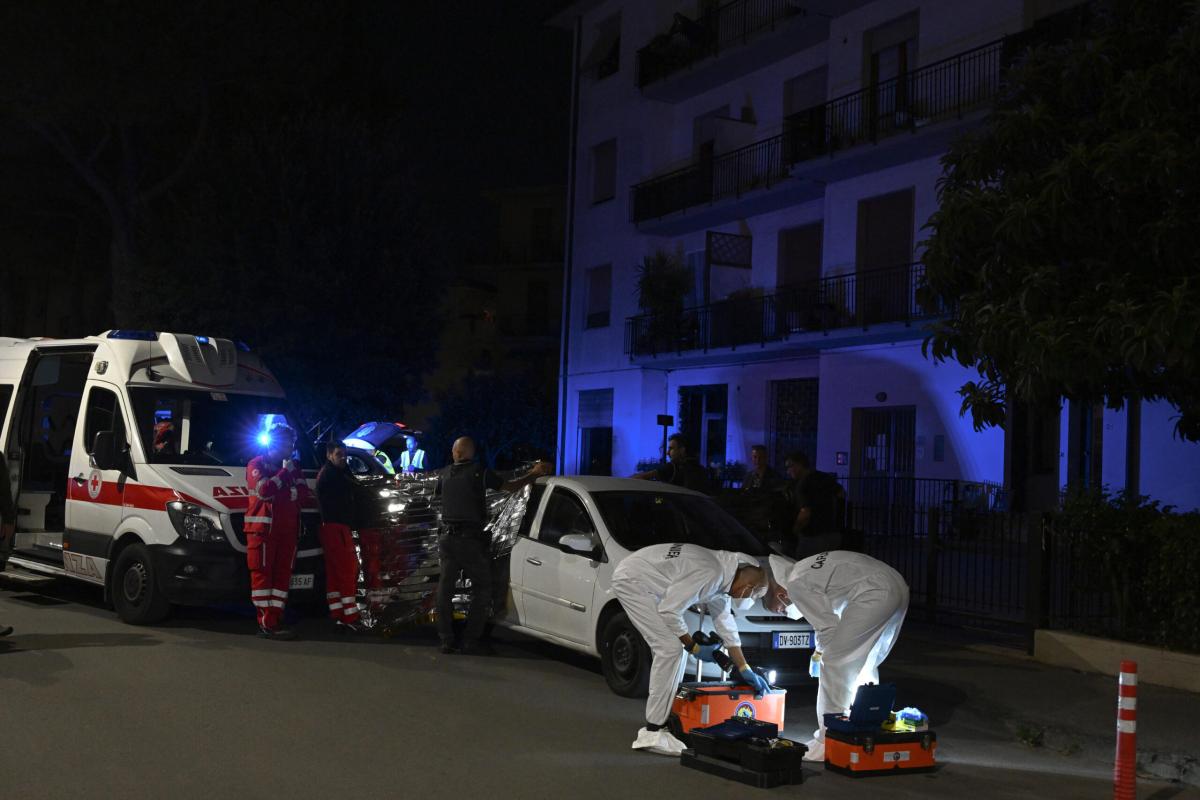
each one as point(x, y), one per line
point(625, 657)
point(135, 591)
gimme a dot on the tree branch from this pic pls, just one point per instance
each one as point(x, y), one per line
point(193, 150)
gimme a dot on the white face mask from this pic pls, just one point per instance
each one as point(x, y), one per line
point(792, 612)
point(743, 603)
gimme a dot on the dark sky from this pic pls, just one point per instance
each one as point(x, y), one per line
point(487, 82)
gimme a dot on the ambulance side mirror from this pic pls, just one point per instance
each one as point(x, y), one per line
point(105, 454)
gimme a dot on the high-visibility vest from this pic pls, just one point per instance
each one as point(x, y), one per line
point(417, 460)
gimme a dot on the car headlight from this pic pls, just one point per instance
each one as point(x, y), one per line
point(194, 522)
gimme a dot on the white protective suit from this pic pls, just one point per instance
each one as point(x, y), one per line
point(655, 586)
point(856, 604)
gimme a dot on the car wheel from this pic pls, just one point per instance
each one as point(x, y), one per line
point(135, 591)
point(625, 657)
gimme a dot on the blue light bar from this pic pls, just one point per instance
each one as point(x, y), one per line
point(140, 336)
point(202, 339)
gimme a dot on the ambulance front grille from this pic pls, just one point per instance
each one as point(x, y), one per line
point(310, 526)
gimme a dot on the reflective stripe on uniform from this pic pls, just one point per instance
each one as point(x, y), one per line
point(277, 481)
point(280, 593)
point(260, 593)
point(260, 520)
point(259, 486)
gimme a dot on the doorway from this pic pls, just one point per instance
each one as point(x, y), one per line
point(883, 466)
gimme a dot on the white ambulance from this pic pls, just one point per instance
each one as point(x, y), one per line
point(127, 455)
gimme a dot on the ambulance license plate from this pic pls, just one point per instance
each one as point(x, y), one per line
point(302, 582)
point(781, 640)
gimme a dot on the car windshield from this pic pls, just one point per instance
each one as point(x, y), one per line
point(640, 519)
point(183, 426)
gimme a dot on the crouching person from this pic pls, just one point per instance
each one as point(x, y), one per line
point(856, 606)
point(655, 586)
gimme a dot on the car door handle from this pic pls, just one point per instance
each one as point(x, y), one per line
point(80, 479)
point(534, 561)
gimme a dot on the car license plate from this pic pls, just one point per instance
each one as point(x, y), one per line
point(781, 640)
point(302, 582)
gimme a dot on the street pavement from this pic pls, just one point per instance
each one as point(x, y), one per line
point(199, 707)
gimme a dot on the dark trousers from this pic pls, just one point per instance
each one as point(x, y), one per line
point(470, 554)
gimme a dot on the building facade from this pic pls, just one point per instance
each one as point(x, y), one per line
point(780, 159)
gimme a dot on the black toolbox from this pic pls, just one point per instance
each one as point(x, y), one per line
point(746, 750)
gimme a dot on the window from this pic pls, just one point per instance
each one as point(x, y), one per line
point(793, 418)
point(799, 255)
point(103, 414)
point(604, 56)
point(702, 420)
point(595, 431)
point(604, 171)
point(564, 514)
point(640, 519)
point(599, 296)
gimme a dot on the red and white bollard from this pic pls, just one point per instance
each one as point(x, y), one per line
point(1125, 767)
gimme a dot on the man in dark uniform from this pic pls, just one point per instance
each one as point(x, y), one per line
point(335, 497)
point(463, 545)
point(8, 523)
point(681, 470)
point(818, 501)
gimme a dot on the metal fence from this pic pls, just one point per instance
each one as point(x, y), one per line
point(859, 299)
point(938, 91)
point(689, 41)
point(960, 558)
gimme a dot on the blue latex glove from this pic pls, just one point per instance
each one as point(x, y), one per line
point(814, 665)
point(704, 652)
point(755, 681)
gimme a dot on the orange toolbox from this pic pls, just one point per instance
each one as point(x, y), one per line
point(699, 705)
point(859, 745)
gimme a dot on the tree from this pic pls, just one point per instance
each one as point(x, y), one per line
point(1066, 241)
point(307, 239)
point(507, 417)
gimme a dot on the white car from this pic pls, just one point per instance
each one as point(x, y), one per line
point(570, 537)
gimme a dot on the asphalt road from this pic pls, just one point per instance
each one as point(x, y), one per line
point(200, 707)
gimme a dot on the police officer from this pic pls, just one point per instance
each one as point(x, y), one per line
point(463, 545)
point(681, 469)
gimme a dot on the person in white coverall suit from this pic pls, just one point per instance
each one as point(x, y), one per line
point(856, 606)
point(655, 586)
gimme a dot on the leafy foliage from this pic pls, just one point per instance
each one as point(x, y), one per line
point(1142, 557)
point(1066, 238)
point(509, 419)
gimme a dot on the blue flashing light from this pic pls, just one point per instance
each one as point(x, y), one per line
point(264, 438)
point(139, 336)
point(202, 339)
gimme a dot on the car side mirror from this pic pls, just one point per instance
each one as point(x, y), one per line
point(584, 544)
point(105, 454)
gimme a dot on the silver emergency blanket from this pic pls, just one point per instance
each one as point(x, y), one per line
point(398, 548)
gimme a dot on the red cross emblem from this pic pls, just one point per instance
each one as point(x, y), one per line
point(94, 484)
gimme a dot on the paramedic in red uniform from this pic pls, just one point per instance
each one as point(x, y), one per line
point(335, 496)
point(277, 492)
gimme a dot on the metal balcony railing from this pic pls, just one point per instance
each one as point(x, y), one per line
point(860, 299)
point(938, 91)
point(689, 41)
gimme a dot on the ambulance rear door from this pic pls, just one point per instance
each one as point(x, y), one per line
point(102, 474)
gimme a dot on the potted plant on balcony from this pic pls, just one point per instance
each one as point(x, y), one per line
point(662, 285)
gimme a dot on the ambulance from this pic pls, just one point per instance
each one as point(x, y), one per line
point(127, 456)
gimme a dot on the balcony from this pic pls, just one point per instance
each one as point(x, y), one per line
point(695, 55)
point(808, 314)
point(944, 90)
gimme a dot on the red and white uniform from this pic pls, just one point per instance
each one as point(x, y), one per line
point(272, 527)
point(341, 571)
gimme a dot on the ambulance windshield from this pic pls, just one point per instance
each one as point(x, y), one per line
point(182, 426)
